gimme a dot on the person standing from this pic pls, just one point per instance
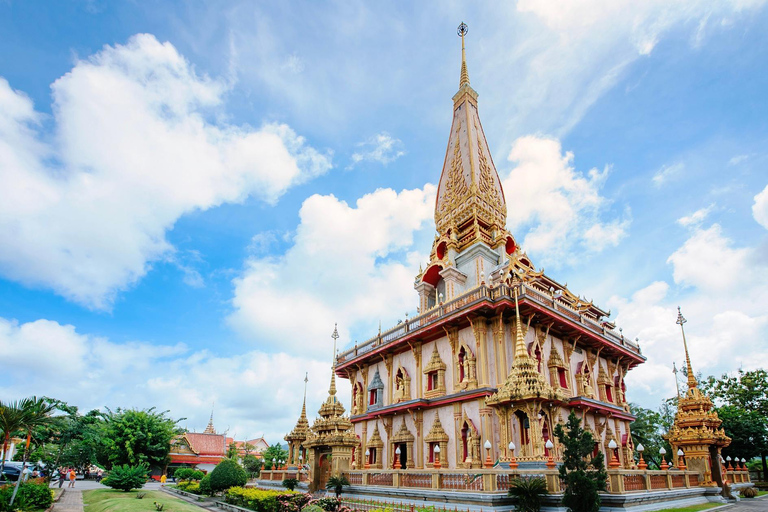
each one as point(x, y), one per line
point(72, 477)
point(62, 476)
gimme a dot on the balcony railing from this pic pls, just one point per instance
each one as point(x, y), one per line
point(493, 294)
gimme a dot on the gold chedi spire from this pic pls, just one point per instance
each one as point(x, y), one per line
point(697, 427)
point(335, 336)
point(470, 205)
point(210, 429)
point(524, 382)
point(691, 378)
point(464, 80)
point(520, 350)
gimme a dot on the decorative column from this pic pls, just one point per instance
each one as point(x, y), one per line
point(480, 329)
point(454, 281)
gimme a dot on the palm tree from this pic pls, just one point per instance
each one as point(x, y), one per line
point(336, 484)
point(11, 417)
point(36, 413)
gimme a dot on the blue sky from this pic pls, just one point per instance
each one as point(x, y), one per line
point(193, 193)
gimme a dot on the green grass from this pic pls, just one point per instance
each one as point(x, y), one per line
point(692, 508)
point(110, 500)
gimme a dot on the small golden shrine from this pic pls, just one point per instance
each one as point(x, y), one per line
point(525, 390)
point(297, 454)
point(331, 441)
point(696, 429)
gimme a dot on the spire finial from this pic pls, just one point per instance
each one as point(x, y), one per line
point(210, 429)
point(691, 378)
point(335, 336)
point(304, 406)
point(462, 31)
point(520, 350)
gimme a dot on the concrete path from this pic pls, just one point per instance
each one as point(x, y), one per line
point(70, 501)
point(749, 505)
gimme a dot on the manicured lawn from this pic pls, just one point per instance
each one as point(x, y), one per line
point(110, 500)
point(692, 508)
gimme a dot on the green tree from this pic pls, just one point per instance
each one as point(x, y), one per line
point(647, 429)
point(11, 418)
point(232, 451)
point(275, 452)
point(138, 437)
point(78, 437)
point(36, 413)
point(252, 465)
point(584, 475)
point(748, 392)
point(748, 431)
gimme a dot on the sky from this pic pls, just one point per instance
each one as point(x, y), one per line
point(192, 194)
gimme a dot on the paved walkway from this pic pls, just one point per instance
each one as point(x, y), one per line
point(749, 505)
point(70, 501)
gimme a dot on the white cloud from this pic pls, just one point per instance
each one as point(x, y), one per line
point(708, 261)
point(666, 173)
point(722, 290)
point(760, 208)
point(561, 206)
point(737, 159)
point(697, 217)
point(381, 148)
point(347, 264)
point(46, 358)
point(86, 214)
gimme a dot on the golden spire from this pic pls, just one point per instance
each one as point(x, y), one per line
point(210, 429)
point(335, 336)
point(520, 350)
point(304, 405)
point(464, 80)
point(680, 321)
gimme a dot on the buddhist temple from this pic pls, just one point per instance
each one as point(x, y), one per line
point(464, 396)
point(199, 450)
point(499, 352)
point(696, 430)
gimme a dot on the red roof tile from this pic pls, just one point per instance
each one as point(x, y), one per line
point(206, 444)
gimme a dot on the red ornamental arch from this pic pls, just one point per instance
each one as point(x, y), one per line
point(432, 275)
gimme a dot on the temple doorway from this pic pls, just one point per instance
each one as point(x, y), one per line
point(403, 457)
point(323, 469)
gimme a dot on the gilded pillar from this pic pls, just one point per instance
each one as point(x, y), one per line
point(480, 329)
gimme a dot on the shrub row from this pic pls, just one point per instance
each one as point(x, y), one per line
point(31, 495)
point(266, 500)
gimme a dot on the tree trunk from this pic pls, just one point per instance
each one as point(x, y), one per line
point(765, 466)
point(23, 468)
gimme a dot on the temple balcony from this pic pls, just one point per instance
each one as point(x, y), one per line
point(485, 300)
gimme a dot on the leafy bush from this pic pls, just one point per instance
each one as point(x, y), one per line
point(205, 485)
point(226, 474)
point(290, 483)
point(749, 492)
point(159, 506)
point(293, 501)
point(183, 473)
point(265, 500)
point(126, 477)
point(193, 487)
point(30, 495)
point(140, 495)
point(528, 493)
point(312, 508)
point(327, 504)
point(189, 474)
